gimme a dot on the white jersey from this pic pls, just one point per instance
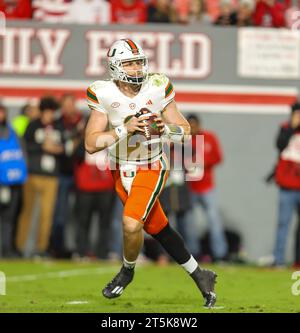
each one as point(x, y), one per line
point(105, 96)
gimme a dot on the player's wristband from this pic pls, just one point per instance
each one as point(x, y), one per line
point(121, 131)
point(174, 132)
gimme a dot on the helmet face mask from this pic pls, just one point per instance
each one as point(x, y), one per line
point(126, 51)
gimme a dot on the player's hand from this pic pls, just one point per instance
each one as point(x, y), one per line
point(160, 124)
point(136, 124)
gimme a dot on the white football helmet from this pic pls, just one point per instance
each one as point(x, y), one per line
point(125, 50)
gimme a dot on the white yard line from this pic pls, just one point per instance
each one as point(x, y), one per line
point(60, 274)
point(77, 302)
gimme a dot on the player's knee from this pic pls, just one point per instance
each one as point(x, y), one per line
point(130, 225)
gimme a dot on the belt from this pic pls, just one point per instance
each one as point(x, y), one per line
point(146, 166)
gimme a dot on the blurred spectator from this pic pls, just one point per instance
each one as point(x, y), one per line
point(286, 3)
point(160, 11)
point(269, 13)
point(297, 241)
point(72, 125)
point(195, 11)
point(292, 16)
point(95, 194)
point(176, 199)
point(13, 174)
point(44, 144)
point(51, 11)
point(198, 12)
point(213, 8)
point(182, 8)
point(203, 191)
point(287, 176)
point(91, 12)
point(226, 10)
point(16, 9)
point(128, 11)
point(28, 113)
point(242, 17)
point(116, 236)
point(297, 245)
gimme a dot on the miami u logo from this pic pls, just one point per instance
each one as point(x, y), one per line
point(111, 53)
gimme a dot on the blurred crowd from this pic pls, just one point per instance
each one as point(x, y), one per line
point(261, 13)
point(43, 161)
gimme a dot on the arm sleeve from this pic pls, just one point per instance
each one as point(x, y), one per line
point(169, 93)
point(93, 101)
point(283, 137)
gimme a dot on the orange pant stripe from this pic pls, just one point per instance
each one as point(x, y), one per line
point(160, 184)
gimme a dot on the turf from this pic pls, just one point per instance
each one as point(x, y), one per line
point(50, 286)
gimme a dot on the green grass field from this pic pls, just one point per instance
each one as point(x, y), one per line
point(54, 286)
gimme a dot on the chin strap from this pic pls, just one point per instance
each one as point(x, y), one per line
point(135, 80)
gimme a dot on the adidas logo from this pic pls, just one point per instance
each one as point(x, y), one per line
point(118, 290)
point(149, 102)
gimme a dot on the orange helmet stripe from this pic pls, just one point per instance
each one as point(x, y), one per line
point(133, 46)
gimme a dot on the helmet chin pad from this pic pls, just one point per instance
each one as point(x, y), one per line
point(135, 80)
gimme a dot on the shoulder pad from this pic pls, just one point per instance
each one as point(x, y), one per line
point(99, 84)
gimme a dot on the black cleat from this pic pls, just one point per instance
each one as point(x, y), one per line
point(210, 300)
point(207, 283)
point(117, 285)
point(206, 280)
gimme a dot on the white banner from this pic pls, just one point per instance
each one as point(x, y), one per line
point(268, 53)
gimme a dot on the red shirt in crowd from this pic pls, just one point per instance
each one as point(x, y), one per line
point(89, 177)
point(269, 16)
point(128, 11)
point(16, 9)
point(212, 156)
point(287, 173)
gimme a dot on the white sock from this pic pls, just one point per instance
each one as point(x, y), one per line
point(191, 265)
point(128, 264)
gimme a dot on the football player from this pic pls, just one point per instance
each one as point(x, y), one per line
point(139, 173)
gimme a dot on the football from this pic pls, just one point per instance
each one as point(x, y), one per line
point(151, 128)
